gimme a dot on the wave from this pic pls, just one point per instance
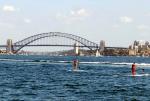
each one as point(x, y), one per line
point(109, 63)
point(118, 63)
point(143, 64)
point(33, 61)
point(139, 75)
point(82, 62)
point(15, 60)
point(112, 63)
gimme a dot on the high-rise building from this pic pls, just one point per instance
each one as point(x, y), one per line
point(136, 43)
point(146, 43)
point(102, 45)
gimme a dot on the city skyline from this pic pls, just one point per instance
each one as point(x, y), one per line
point(117, 22)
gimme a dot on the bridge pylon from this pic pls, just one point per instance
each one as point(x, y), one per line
point(9, 46)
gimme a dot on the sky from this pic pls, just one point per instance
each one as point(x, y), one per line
point(118, 22)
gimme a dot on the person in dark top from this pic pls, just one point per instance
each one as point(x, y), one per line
point(75, 64)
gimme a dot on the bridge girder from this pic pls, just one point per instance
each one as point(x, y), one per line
point(20, 44)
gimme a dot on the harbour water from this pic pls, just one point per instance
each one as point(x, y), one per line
point(47, 78)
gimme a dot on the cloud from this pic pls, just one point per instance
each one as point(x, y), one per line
point(143, 27)
point(126, 19)
point(27, 20)
point(73, 15)
point(79, 13)
point(8, 8)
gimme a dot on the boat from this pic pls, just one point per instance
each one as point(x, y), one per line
point(97, 53)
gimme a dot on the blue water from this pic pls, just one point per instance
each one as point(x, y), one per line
point(45, 78)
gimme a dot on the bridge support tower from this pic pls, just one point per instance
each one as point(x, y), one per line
point(9, 48)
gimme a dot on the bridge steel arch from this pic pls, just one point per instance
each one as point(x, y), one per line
point(20, 44)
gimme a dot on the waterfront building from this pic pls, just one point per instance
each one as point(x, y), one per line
point(132, 52)
point(140, 48)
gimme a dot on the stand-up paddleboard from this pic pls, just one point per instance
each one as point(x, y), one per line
point(77, 70)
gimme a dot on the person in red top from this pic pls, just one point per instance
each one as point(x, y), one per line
point(133, 69)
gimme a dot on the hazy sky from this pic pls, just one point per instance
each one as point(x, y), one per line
point(118, 22)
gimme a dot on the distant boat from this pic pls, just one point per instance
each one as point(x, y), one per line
point(97, 53)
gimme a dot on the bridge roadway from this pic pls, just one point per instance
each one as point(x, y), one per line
point(49, 45)
point(4, 46)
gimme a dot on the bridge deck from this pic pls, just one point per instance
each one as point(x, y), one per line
point(46, 45)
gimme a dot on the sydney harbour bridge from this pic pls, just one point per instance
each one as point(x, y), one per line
point(37, 40)
point(49, 40)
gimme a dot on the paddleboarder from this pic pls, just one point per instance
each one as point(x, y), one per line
point(143, 70)
point(133, 69)
point(75, 64)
